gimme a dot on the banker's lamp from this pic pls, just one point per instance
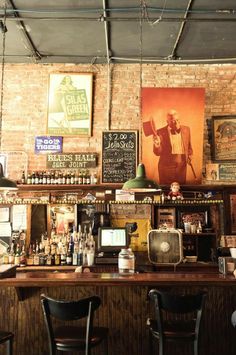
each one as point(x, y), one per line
point(140, 183)
point(5, 184)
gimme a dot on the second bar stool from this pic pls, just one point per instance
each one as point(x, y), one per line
point(7, 337)
point(177, 328)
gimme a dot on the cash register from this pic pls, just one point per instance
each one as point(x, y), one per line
point(110, 241)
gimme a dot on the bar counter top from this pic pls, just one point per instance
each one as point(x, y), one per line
point(51, 279)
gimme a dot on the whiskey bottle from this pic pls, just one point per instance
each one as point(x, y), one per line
point(23, 179)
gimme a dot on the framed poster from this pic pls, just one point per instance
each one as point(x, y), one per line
point(119, 156)
point(224, 138)
point(194, 216)
point(70, 104)
point(171, 149)
point(166, 217)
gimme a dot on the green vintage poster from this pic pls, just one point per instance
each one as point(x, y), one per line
point(70, 104)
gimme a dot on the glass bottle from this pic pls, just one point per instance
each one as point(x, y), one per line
point(29, 179)
point(17, 255)
point(23, 256)
point(12, 254)
point(126, 261)
point(23, 180)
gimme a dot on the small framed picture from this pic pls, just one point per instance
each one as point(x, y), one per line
point(224, 138)
point(166, 217)
point(194, 216)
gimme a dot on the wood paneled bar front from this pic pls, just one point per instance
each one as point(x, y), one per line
point(125, 307)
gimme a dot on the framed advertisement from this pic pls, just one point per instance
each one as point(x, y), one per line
point(70, 104)
point(166, 217)
point(171, 151)
point(224, 138)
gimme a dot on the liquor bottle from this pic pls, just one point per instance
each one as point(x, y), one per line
point(12, 254)
point(23, 179)
point(76, 178)
point(23, 256)
point(63, 255)
point(80, 253)
point(95, 179)
point(60, 178)
point(48, 259)
point(48, 178)
point(29, 179)
point(80, 178)
point(44, 178)
point(33, 178)
point(69, 256)
point(29, 257)
point(57, 257)
point(40, 178)
point(36, 179)
point(56, 178)
point(72, 178)
point(68, 178)
point(88, 178)
point(41, 254)
point(36, 255)
point(17, 255)
point(63, 178)
point(84, 178)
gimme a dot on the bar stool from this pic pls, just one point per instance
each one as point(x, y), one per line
point(7, 337)
point(72, 337)
point(233, 319)
point(179, 327)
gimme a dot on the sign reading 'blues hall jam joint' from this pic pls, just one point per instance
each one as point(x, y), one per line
point(48, 144)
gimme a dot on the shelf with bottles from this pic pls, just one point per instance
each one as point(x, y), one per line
point(56, 177)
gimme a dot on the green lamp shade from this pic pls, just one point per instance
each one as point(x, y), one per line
point(140, 183)
point(6, 184)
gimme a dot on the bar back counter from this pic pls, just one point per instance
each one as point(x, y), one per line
point(125, 307)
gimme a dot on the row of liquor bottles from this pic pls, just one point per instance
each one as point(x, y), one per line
point(53, 177)
point(74, 248)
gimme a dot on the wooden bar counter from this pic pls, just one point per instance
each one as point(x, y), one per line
point(125, 307)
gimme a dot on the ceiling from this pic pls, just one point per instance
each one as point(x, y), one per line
point(118, 31)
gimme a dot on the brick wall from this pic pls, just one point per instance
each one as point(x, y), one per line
point(25, 103)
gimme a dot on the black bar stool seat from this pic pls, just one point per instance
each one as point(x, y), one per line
point(68, 336)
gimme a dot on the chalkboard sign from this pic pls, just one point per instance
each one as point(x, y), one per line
point(119, 156)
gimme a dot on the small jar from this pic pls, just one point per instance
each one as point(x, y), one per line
point(126, 262)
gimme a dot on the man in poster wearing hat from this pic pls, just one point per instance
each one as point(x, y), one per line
point(172, 144)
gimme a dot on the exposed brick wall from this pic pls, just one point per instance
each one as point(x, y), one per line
point(25, 102)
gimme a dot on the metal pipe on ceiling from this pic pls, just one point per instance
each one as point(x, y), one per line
point(35, 53)
point(118, 19)
point(176, 44)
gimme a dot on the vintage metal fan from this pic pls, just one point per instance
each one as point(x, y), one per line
point(165, 246)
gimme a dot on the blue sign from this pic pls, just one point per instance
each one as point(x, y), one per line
point(48, 145)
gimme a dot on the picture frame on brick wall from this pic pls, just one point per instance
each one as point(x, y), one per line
point(70, 104)
point(224, 138)
point(173, 153)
